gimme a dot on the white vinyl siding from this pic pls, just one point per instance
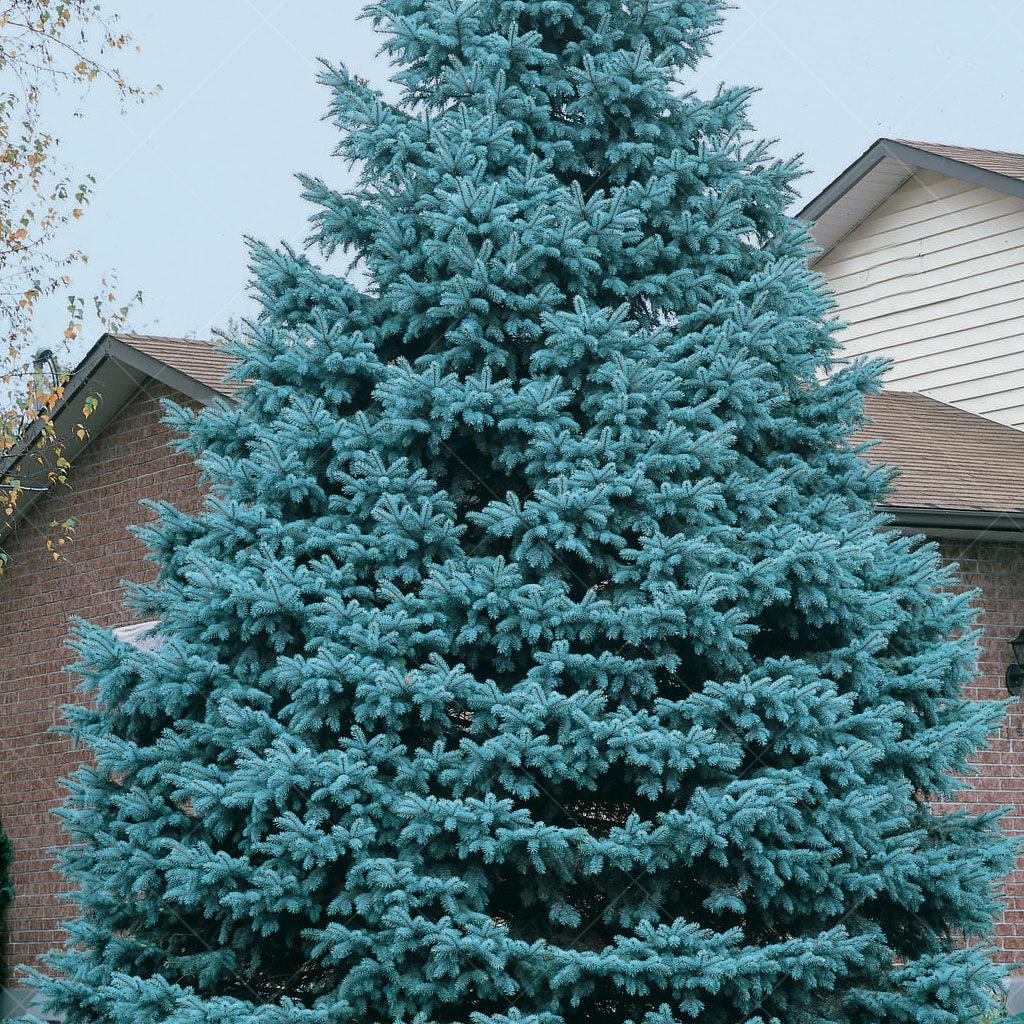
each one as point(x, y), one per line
point(934, 280)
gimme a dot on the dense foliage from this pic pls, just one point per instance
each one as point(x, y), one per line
point(537, 656)
point(6, 897)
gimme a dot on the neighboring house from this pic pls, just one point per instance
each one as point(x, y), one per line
point(126, 457)
point(955, 486)
point(923, 246)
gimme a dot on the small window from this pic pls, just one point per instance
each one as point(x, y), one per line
point(143, 635)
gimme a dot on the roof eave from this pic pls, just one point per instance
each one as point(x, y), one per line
point(945, 522)
point(118, 371)
point(839, 186)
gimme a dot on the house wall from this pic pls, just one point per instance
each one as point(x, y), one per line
point(130, 461)
point(934, 280)
point(997, 570)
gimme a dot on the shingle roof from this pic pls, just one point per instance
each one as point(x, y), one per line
point(202, 360)
point(994, 160)
point(948, 458)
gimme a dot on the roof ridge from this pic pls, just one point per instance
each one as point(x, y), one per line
point(136, 335)
point(203, 360)
point(954, 146)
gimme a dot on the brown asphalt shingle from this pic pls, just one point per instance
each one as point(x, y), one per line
point(203, 360)
point(948, 458)
point(994, 160)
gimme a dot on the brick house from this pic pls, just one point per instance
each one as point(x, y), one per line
point(126, 457)
point(955, 486)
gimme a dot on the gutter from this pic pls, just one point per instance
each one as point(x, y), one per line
point(116, 371)
point(939, 522)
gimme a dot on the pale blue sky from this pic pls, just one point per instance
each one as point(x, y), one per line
point(212, 158)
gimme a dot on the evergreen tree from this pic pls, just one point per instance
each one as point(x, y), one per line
point(6, 898)
point(538, 656)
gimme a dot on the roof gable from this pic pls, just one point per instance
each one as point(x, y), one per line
point(202, 362)
point(874, 176)
point(115, 368)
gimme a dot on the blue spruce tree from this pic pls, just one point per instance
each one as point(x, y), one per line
point(538, 656)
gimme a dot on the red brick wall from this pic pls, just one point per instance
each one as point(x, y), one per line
point(129, 461)
point(997, 570)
